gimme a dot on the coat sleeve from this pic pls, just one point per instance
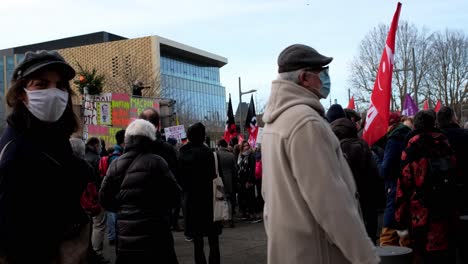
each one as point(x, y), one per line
point(110, 188)
point(322, 177)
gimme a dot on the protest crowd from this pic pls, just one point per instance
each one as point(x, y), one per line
point(333, 186)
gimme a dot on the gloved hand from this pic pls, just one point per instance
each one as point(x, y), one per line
point(402, 233)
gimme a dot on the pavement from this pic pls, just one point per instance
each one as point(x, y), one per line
point(244, 244)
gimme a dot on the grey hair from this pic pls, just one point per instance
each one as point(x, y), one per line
point(78, 147)
point(466, 125)
point(292, 76)
point(141, 127)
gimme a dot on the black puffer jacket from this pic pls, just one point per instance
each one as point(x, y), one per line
point(141, 189)
point(364, 168)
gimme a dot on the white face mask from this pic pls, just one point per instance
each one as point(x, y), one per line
point(47, 105)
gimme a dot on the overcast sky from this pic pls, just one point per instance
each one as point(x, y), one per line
point(250, 33)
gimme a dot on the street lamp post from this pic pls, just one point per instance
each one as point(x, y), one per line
point(240, 105)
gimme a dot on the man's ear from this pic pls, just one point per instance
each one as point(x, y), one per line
point(302, 76)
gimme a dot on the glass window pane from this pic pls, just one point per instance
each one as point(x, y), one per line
point(2, 81)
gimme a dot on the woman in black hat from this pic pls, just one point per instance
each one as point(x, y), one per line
point(41, 181)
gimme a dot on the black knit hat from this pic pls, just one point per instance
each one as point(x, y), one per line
point(335, 112)
point(196, 133)
point(300, 56)
point(34, 61)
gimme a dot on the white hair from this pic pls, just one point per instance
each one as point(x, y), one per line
point(292, 76)
point(78, 147)
point(466, 125)
point(141, 127)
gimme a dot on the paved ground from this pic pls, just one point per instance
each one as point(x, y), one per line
point(244, 244)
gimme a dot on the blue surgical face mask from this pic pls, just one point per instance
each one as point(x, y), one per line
point(326, 84)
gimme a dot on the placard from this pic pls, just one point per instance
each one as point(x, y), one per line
point(177, 132)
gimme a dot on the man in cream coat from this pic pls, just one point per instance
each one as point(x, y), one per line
point(311, 208)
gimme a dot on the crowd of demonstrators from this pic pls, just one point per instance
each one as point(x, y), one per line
point(140, 187)
point(41, 218)
point(197, 171)
point(311, 207)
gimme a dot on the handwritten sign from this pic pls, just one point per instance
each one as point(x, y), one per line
point(105, 97)
point(260, 135)
point(138, 105)
point(177, 132)
point(89, 114)
point(120, 110)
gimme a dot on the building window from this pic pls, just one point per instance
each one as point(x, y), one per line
point(115, 66)
point(2, 76)
point(10, 67)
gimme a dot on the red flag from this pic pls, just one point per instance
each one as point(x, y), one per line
point(351, 104)
point(378, 113)
point(438, 106)
point(426, 105)
point(230, 129)
point(241, 139)
point(251, 123)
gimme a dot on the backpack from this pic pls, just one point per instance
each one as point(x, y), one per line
point(440, 185)
point(90, 200)
point(104, 164)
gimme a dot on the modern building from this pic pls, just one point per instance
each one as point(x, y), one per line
point(170, 70)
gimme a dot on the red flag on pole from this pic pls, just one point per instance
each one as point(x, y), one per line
point(251, 123)
point(438, 106)
point(426, 105)
point(379, 110)
point(351, 104)
point(230, 129)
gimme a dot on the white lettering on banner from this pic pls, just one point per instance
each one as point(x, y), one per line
point(371, 114)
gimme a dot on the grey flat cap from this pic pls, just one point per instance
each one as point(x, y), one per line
point(34, 61)
point(300, 56)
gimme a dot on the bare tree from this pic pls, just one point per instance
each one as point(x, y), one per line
point(365, 66)
point(448, 76)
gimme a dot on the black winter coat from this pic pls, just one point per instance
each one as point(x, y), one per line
point(141, 189)
point(458, 139)
point(197, 171)
point(168, 153)
point(364, 169)
point(41, 183)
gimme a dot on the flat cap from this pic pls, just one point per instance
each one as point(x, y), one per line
point(34, 61)
point(300, 56)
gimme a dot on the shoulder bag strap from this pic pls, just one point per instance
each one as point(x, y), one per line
point(216, 163)
point(4, 149)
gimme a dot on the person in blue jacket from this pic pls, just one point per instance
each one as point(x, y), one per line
point(389, 169)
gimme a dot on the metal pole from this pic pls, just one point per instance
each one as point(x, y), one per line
point(349, 94)
point(414, 79)
point(240, 109)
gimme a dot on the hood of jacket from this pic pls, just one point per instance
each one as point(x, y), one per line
point(344, 128)
point(286, 94)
